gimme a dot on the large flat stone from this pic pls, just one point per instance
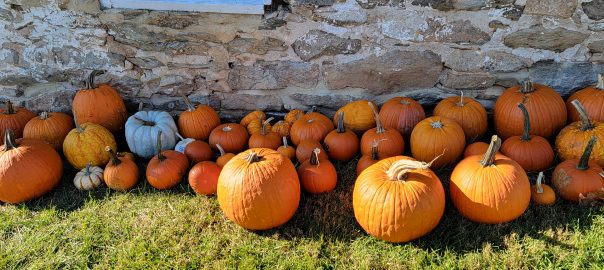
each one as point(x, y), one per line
point(539, 37)
point(81, 6)
point(273, 75)
point(557, 8)
point(467, 80)
point(250, 102)
point(317, 43)
point(565, 76)
point(492, 61)
point(255, 46)
point(596, 46)
point(594, 9)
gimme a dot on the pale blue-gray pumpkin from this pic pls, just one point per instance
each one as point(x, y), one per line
point(142, 129)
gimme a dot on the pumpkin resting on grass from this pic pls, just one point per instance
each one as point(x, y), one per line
point(317, 175)
point(542, 194)
point(121, 173)
point(167, 168)
point(88, 178)
point(86, 144)
point(573, 139)
point(203, 177)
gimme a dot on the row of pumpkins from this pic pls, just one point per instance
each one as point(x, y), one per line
point(395, 198)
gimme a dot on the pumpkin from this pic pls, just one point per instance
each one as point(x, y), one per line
point(546, 108)
point(592, 98)
point(86, 144)
point(265, 138)
point(121, 173)
point(88, 178)
point(49, 127)
point(256, 125)
point(224, 157)
point(251, 117)
point(398, 199)
point(29, 168)
point(14, 119)
point(316, 175)
point(367, 160)
point(287, 150)
point(282, 128)
point(142, 129)
point(259, 189)
point(542, 194)
point(167, 168)
point(476, 148)
point(402, 113)
point(127, 155)
point(467, 112)
point(100, 104)
point(435, 136)
point(491, 188)
point(533, 153)
point(358, 116)
point(293, 115)
point(312, 125)
point(342, 144)
point(203, 177)
point(393, 143)
point(578, 178)
point(305, 149)
point(197, 122)
point(573, 139)
point(232, 137)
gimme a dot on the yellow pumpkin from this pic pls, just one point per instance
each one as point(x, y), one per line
point(358, 116)
point(86, 144)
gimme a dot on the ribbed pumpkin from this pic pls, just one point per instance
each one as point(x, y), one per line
point(342, 144)
point(203, 177)
point(251, 117)
point(167, 168)
point(358, 116)
point(542, 194)
point(14, 119)
point(576, 178)
point(100, 104)
point(573, 139)
point(86, 144)
point(197, 122)
point(305, 148)
point(467, 112)
point(266, 138)
point(532, 152)
point(142, 129)
point(282, 128)
point(436, 136)
point(476, 148)
point(29, 168)
point(312, 125)
point(592, 98)
point(259, 189)
point(402, 113)
point(121, 173)
point(224, 157)
point(49, 127)
point(546, 109)
point(398, 199)
point(491, 188)
point(317, 175)
point(88, 178)
point(232, 137)
point(255, 125)
point(195, 150)
point(392, 141)
point(293, 115)
point(367, 160)
point(287, 150)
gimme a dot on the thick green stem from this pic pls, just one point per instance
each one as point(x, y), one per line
point(341, 128)
point(10, 109)
point(586, 123)
point(526, 136)
point(489, 157)
point(527, 87)
point(9, 140)
point(378, 123)
point(584, 161)
point(314, 157)
point(90, 80)
point(114, 158)
point(190, 106)
point(160, 155)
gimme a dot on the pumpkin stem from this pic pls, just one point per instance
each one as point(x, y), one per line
point(341, 128)
point(252, 157)
point(87, 171)
point(405, 102)
point(539, 181)
point(600, 84)
point(527, 123)
point(220, 149)
point(285, 144)
point(374, 150)
point(489, 157)
point(90, 80)
point(114, 158)
point(44, 115)
point(586, 123)
point(527, 87)
point(190, 106)
point(398, 171)
point(264, 124)
point(314, 157)
point(312, 109)
point(436, 124)
point(10, 109)
point(376, 115)
point(141, 106)
point(9, 140)
point(145, 122)
point(461, 103)
point(180, 137)
point(227, 128)
point(77, 125)
point(584, 161)
point(160, 156)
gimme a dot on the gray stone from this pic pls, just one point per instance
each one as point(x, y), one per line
point(330, 102)
point(28, 4)
point(469, 4)
point(597, 58)
point(145, 62)
point(493, 61)
point(596, 46)
point(343, 14)
point(255, 46)
point(598, 26)
point(6, 15)
point(81, 6)
point(172, 20)
point(393, 70)
point(250, 102)
point(565, 76)
point(16, 80)
point(465, 80)
point(272, 24)
point(557, 8)
point(513, 12)
point(57, 100)
point(594, 9)
point(443, 5)
point(416, 27)
point(273, 75)
point(501, 3)
point(317, 43)
point(44, 88)
point(369, 4)
point(313, 2)
point(9, 92)
point(140, 37)
point(539, 37)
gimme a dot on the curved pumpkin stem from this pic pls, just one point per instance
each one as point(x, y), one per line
point(141, 105)
point(253, 157)
point(489, 157)
point(461, 103)
point(44, 115)
point(527, 87)
point(9, 140)
point(285, 144)
point(314, 157)
point(10, 108)
point(600, 84)
point(584, 161)
point(264, 124)
point(160, 156)
point(539, 182)
point(398, 170)
point(227, 128)
point(586, 123)
point(190, 106)
point(527, 123)
point(114, 158)
point(90, 80)
point(220, 149)
point(376, 115)
point(341, 128)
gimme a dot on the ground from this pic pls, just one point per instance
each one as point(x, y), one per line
point(152, 229)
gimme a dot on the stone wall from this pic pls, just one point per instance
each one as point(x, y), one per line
point(311, 52)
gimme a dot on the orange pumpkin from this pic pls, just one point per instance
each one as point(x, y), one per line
point(542, 194)
point(342, 144)
point(167, 168)
point(266, 138)
point(197, 122)
point(305, 148)
point(313, 126)
point(287, 150)
point(592, 98)
point(259, 189)
point(533, 153)
point(436, 136)
point(398, 199)
point(402, 113)
point(232, 137)
point(467, 112)
point(367, 160)
point(49, 127)
point(198, 151)
point(127, 155)
point(293, 115)
point(477, 148)
point(490, 189)
point(393, 143)
point(358, 116)
point(224, 157)
point(255, 125)
point(203, 177)
point(121, 173)
point(101, 105)
point(316, 175)
point(573, 139)
point(14, 119)
point(282, 128)
point(546, 108)
point(251, 117)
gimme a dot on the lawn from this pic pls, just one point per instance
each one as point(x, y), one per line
point(145, 228)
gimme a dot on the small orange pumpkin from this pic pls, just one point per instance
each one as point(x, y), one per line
point(224, 157)
point(305, 148)
point(14, 119)
point(232, 137)
point(592, 98)
point(342, 144)
point(287, 150)
point(247, 119)
point(49, 127)
point(312, 125)
point(467, 112)
point(393, 143)
point(367, 160)
point(121, 173)
point(402, 113)
point(282, 128)
point(542, 194)
point(167, 168)
point(293, 115)
point(317, 176)
point(203, 177)
point(436, 136)
point(197, 122)
point(266, 138)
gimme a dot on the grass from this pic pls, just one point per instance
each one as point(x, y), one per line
point(175, 229)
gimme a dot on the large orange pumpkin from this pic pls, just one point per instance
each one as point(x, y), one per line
point(546, 108)
point(167, 168)
point(86, 144)
point(259, 189)
point(49, 127)
point(467, 112)
point(121, 173)
point(573, 139)
point(29, 168)
point(438, 136)
point(542, 194)
point(490, 189)
point(317, 175)
point(265, 138)
point(197, 122)
point(392, 141)
point(14, 119)
point(398, 199)
point(402, 113)
point(203, 177)
point(313, 126)
point(367, 160)
point(592, 98)
point(358, 116)
point(342, 144)
point(232, 137)
point(101, 105)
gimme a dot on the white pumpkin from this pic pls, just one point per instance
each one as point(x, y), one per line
point(182, 144)
point(88, 178)
point(142, 129)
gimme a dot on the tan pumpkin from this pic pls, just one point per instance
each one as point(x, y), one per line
point(251, 117)
point(293, 115)
point(572, 140)
point(358, 116)
point(282, 128)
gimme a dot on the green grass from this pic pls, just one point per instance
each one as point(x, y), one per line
point(146, 228)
